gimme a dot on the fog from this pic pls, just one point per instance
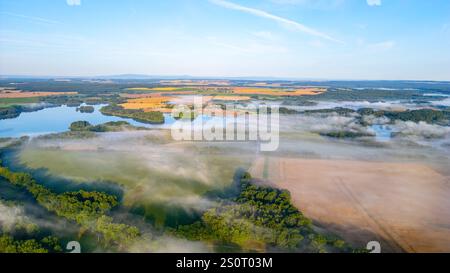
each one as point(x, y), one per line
point(11, 216)
point(355, 105)
point(153, 171)
point(168, 181)
point(322, 123)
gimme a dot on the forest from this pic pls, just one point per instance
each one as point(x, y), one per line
point(88, 209)
point(154, 117)
point(261, 218)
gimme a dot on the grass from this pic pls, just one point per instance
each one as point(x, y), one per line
point(20, 94)
point(159, 186)
point(5, 102)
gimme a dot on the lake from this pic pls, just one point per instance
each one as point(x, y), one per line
point(58, 119)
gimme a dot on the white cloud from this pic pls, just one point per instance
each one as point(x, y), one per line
point(264, 14)
point(314, 4)
point(73, 2)
point(374, 2)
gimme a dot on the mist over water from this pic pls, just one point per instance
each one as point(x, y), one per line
point(154, 172)
point(163, 182)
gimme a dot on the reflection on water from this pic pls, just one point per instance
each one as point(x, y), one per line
point(58, 119)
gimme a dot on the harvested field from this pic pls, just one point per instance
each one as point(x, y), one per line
point(405, 206)
point(151, 103)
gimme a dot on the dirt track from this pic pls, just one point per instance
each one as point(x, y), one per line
point(405, 206)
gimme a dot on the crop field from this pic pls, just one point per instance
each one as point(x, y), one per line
point(9, 94)
point(152, 95)
point(366, 200)
point(149, 104)
point(232, 98)
point(5, 102)
point(159, 89)
point(278, 92)
point(226, 90)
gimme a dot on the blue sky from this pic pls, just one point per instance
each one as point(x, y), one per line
point(320, 39)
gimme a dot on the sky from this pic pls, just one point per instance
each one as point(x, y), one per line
point(304, 39)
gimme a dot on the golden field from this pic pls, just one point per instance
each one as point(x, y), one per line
point(148, 104)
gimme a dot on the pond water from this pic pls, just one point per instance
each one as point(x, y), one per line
point(58, 119)
point(382, 132)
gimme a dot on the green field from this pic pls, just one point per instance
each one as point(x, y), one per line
point(5, 102)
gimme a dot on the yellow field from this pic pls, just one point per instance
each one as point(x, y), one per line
point(278, 92)
point(148, 104)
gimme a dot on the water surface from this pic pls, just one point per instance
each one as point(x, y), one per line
point(58, 119)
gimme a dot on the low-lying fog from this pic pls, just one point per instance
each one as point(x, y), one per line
point(158, 174)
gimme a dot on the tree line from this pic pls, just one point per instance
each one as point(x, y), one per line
point(260, 218)
point(88, 209)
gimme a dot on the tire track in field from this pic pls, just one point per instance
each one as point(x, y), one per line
point(372, 220)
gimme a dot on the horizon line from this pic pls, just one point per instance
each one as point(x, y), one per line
point(190, 77)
